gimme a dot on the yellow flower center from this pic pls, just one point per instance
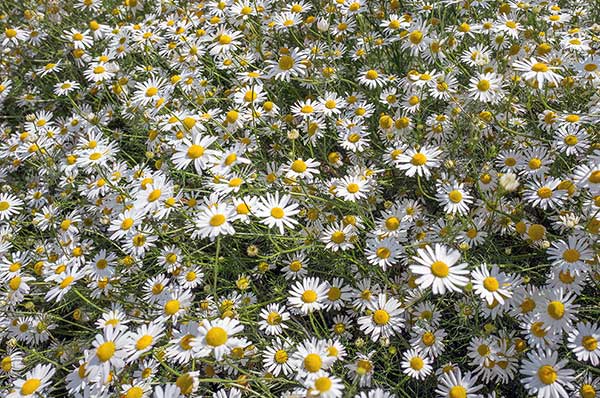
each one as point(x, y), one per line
point(547, 374)
point(354, 138)
point(30, 386)
point(455, 196)
point(544, 193)
point(587, 391)
point(323, 384)
point(296, 266)
point(6, 364)
point(457, 392)
point(172, 307)
point(483, 85)
point(428, 339)
point(594, 177)
point(66, 282)
point(418, 159)
point(286, 62)
point(334, 293)
point(135, 392)
point(281, 356)
point(277, 212)
point(539, 67)
point(571, 140)
point(312, 363)
point(105, 351)
point(224, 39)
point(143, 342)
point(273, 318)
point(383, 252)
point(299, 166)
point(154, 195)
point(440, 269)
point(416, 363)
point(216, 336)
point(151, 91)
point(571, 255)
point(195, 151)
point(309, 296)
point(491, 284)
point(381, 317)
point(589, 343)
point(415, 37)
point(353, 187)
point(556, 309)
point(4, 205)
point(535, 163)
point(338, 237)
point(186, 341)
point(372, 74)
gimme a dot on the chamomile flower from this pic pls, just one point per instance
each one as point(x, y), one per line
point(415, 364)
point(35, 382)
point(537, 71)
point(308, 295)
point(419, 161)
point(437, 269)
point(217, 337)
point(277, 212)
point(10, 205)
point(545, 375)
point(583, 342)
point(384, 321)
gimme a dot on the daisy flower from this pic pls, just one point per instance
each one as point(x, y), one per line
point(537, 71)
point(108, 352)
point(195, 151)
point(10, 206)
point(455, 384)
point(310, 357)
point(385, 320)
point(419, 161)
point(308, 295)
point(371, 78)
point(486, 87)
point(557, 309)
point(277, 358)
point(583, 342)
point(302, 169)
point(383, 252)
point(277, 212)
point(570, 255)
point(273, 319)
point(454, 198)
point(35, 382)
point(544, 193)
point(217, 337)
point(142, 340)
point(491, 284)
point(415, 364)
point(545, 376)
point(288, 65)
point(324, 385)
point(338, 237)
point(212, 221)
point(437, 269)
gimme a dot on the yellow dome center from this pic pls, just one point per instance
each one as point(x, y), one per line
point(440, 269)
point(105, 351)
point(216, 336)
point(547, 374)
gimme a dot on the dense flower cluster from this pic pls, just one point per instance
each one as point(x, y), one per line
point(349, 198)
